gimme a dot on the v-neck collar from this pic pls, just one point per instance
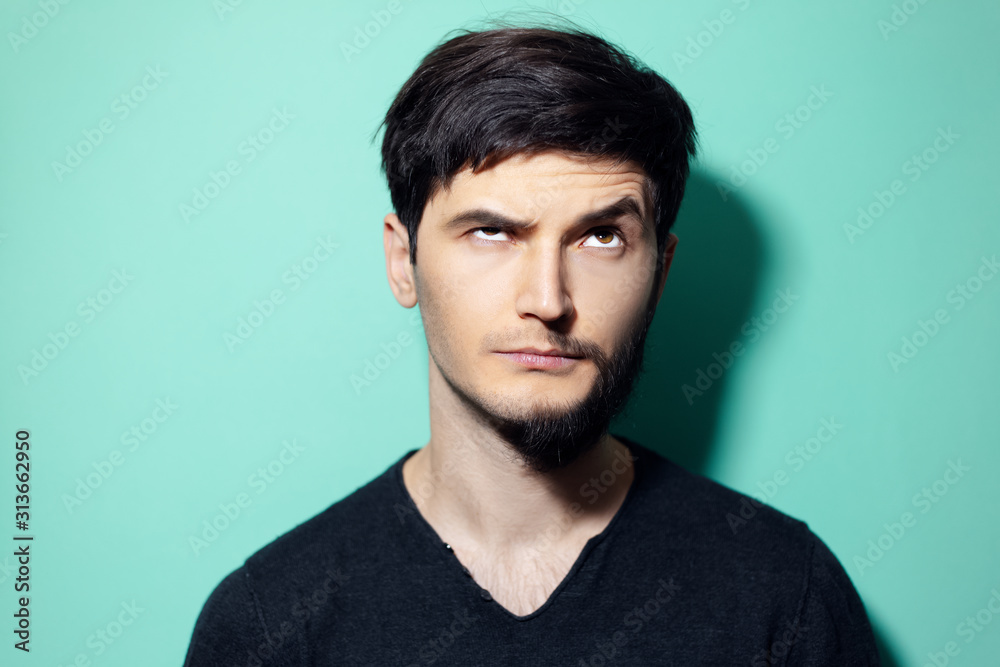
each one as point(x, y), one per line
point(638, 465)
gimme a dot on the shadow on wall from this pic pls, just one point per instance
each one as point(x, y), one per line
point(709, 299)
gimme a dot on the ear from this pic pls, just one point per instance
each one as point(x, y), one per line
point(397, 261)
point(668, 257)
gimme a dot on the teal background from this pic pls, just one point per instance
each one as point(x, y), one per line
point(162, 336)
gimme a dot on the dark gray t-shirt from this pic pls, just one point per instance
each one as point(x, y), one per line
point(688, 572)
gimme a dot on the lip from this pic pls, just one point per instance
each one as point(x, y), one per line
point(554, 352)
point(533, 358)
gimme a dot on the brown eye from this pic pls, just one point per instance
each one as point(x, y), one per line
point(608, 234)
point(488, 229)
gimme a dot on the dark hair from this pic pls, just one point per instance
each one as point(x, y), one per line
point(483, 96)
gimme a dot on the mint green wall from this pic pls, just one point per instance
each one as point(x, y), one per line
point(171, 284)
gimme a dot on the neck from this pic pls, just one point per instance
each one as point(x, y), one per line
point(473, 490)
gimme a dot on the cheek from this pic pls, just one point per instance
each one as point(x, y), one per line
point(456, 308)
point(607, 313)
point(474, 293)
point(600, 317)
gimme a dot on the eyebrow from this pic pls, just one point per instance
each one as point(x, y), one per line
point(627, 207)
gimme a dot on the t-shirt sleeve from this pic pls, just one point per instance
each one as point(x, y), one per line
point(228, 625)
point(833, 628)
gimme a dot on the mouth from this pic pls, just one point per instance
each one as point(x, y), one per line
point(542, 359)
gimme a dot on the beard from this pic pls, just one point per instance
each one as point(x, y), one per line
point(550, 438)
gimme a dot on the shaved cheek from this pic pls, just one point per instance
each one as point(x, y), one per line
point(438, 333)
point(444, 317)
point(619, 310)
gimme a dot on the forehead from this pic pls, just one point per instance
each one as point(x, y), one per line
point(528, 182)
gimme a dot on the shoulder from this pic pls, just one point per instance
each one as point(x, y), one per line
point(269, 598)
point(338, 526)
point(227, 624)
point(832, 621)
point(759, 553)
point(316, 558)
point(709, 515)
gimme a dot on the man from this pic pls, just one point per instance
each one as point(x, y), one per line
point(535, 173)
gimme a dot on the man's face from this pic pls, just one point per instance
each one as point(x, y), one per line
point(558, 280)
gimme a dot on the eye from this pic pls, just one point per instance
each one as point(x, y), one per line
point(492, 229)
point(605, 233)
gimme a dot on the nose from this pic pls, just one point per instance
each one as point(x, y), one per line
point(543, 290)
